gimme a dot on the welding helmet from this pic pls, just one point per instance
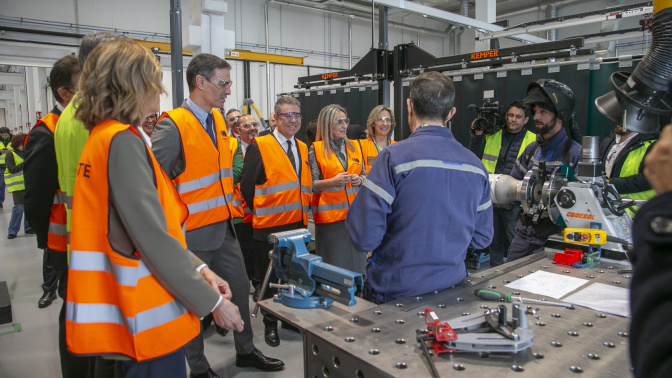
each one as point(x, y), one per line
point(555, 94)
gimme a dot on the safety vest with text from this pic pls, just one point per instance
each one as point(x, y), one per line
point(370, 152)
point(285, 196)
point(331, 205)
point(57, 235)
point(493, 144)
point(206, 185)
point(630, 168)
point(114, 303)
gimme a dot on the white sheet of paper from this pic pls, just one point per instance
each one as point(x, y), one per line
point(606, 298)
point(548, 284)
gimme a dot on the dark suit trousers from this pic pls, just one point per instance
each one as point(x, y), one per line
point(227, 262)
point(244, 232)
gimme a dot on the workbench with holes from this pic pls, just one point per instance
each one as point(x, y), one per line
point(368, 340)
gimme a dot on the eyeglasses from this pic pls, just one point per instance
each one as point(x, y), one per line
point(221, 83)
point(290, 116)
point(151, 118)
point(247, 125)
point(384, 120)
point(342, 121)
point(232, 119)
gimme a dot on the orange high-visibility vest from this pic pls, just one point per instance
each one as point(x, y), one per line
point(114, 304)
point(206, 185)
point(370, 152)
point(285, 197)
point(237, 202)
point(331, 205)
point(57, 235)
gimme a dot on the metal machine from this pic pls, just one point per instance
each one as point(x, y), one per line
point(577, 200)
point(310, 282)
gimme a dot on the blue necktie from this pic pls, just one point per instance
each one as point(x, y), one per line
point(210, 129)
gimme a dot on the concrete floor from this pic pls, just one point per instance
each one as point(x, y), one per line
point(33, 351)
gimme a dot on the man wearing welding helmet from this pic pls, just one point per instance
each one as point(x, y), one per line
point(552, 104)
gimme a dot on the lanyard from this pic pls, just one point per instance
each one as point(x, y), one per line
point(425, 125)
point(376, 144)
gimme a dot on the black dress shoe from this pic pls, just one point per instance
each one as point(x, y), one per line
point(207, 374)
point(30, 232)
point(222, 331)
point(271, 334)
point(46, 299)
point(11, 236)
point(256, 359)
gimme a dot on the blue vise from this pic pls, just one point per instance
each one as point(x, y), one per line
point(310, 282)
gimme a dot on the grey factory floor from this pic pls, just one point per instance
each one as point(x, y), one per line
point(33, 351)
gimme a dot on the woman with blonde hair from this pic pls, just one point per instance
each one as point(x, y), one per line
point(336, 164)
point(134, 294)
point(379, 129)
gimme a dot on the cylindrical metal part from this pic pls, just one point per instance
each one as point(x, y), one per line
point(551, 12)
point(503, 189)
point(590, 149)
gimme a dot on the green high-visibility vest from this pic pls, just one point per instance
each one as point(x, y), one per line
point(14, 181)
point(493, 143)
point(630, 168)
point(4, 146)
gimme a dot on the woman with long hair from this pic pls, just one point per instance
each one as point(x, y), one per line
point(379, 129)
point(336, 164)
point(134, 294)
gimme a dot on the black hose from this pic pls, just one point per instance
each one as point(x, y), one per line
point(656, 65)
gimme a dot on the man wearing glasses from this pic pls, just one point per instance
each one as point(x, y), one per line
point(149, 123)
point(499, 155)
point(276, 185)
point(232, 122)
point(192, 146)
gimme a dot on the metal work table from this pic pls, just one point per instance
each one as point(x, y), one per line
point(369, 340)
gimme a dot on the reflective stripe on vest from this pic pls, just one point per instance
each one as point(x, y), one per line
point(114, 304)
point(332, 204)
point(206, 185)
point(57, 233)
point(630, 168)
point(493, 145)
point(14, 181)
point(285, 197)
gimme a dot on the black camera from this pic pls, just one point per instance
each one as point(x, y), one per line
point(491, 117)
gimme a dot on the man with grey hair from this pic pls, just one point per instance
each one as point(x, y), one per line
point(193, 148)
point(276, 185)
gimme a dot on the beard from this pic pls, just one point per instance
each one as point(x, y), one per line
point(546, 127)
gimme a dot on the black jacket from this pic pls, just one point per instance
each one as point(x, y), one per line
point(651, 289)
point(41, 177)
point(631, 184)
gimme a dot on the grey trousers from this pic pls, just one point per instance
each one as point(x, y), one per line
point(227, 262)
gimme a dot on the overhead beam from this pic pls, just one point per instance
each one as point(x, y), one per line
point(568, 23)
point(12, 79)
point(6, 95)
point(455, 19)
